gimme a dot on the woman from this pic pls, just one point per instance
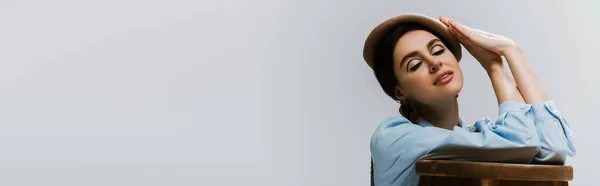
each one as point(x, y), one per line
point(415, 59)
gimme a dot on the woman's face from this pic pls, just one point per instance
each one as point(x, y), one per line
point(426, 69)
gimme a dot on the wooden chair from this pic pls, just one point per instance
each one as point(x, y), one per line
point(463, 173)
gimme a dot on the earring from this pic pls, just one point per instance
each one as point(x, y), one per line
point(408, 111)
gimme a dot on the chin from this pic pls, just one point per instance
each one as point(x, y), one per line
point(451, 89)
point(455, 88)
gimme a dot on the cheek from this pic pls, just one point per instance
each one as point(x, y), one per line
point(450, 60)
point(453, 64)
point(458, 79)
point(416, 83)
point(449, 56)
point(457, 70)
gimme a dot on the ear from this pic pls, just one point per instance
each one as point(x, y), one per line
point(399, 94)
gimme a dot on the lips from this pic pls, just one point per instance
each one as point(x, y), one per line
point(442, 76)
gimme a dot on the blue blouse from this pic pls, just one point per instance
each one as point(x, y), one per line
point(523, 133)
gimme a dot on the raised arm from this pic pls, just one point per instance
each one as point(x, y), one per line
point(504, 88)
point(553, 129)
point(529, 85)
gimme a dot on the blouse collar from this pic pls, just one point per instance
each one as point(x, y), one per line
point(424, 123)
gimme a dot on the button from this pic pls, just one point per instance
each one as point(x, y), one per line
point(471, 128)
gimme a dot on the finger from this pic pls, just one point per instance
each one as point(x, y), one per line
point(465, 30)
point(463, 39)
point(444, 20)
point(455, 33)
point(467, 43)
point(484, 33)
point(459, 27)
point(469, 33)
point(461, 36)
point(487, 35)
point(458, 32)
point(475, 34)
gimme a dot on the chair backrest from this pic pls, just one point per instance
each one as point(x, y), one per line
point(485, 173)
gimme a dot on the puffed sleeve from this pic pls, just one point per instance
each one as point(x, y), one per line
point(555, 134)
point(397, 143)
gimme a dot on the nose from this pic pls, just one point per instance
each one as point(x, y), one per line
point(435, 66)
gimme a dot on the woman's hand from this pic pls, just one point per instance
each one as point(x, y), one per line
point(530, 87)
point(488, 59)
point(492, 42)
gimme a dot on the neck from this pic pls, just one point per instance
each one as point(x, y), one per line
point(442, 114)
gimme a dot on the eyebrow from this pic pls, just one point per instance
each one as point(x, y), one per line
point(416, 53)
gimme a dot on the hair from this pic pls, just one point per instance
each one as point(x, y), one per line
point(384, 70)
point(384, 66)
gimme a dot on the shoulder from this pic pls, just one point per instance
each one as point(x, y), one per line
point(390, 123)
point(389, 150)
point(391, 130)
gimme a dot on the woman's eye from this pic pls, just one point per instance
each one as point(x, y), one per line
point(438, 50)
point(415, 67)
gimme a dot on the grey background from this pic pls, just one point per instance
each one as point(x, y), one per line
point(178, 92)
